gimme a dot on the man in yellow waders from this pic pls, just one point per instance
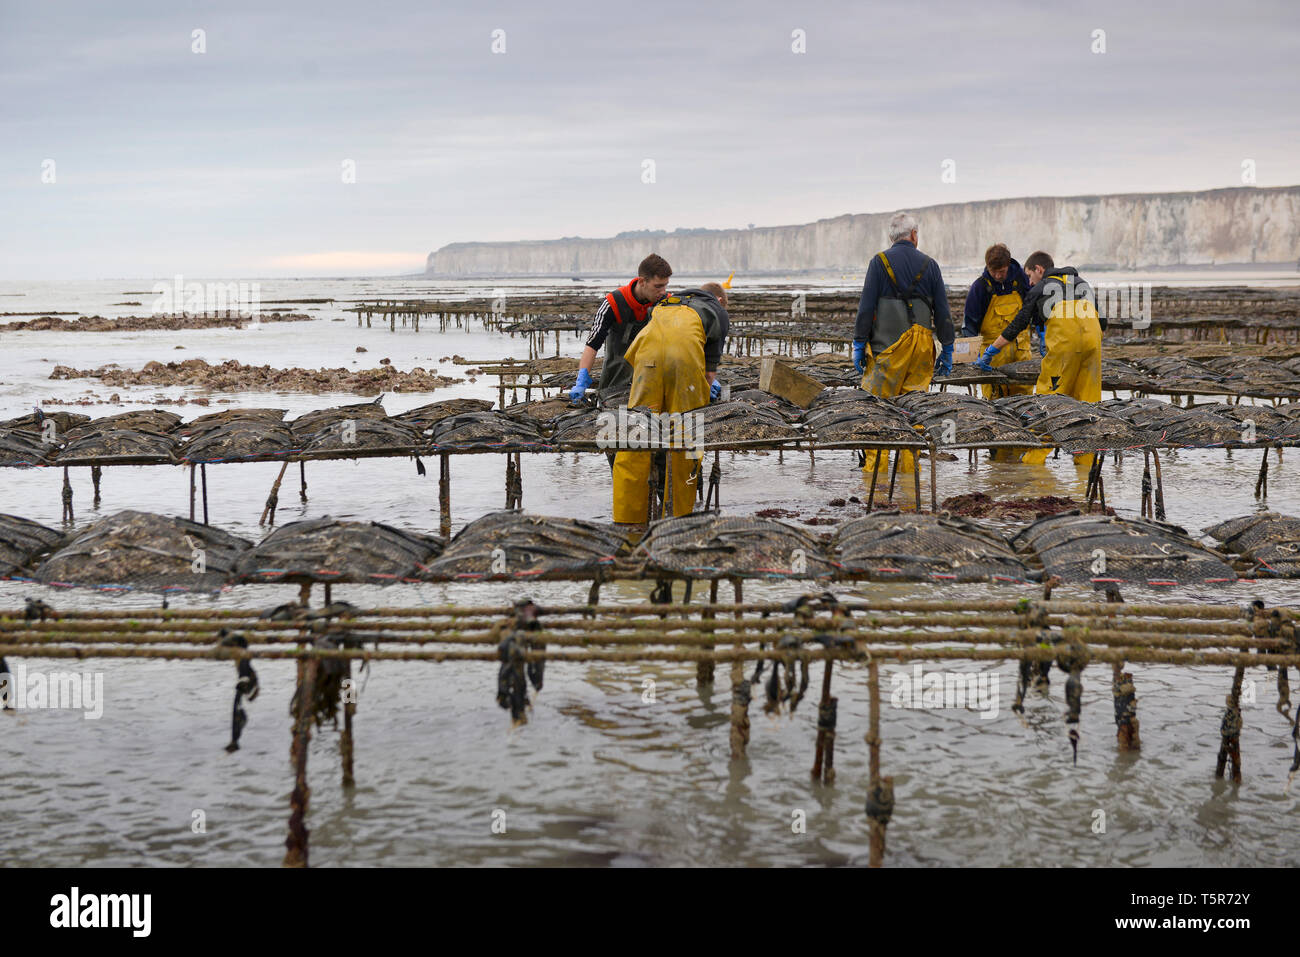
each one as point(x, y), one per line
point(674, 363)
point(904, 306)
point(991, 303)
point(1066, 304)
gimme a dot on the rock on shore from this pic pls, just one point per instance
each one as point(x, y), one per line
point(133, 323)
point(233, 376)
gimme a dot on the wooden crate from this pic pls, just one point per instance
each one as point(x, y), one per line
point(967, 349)
point(779, 379)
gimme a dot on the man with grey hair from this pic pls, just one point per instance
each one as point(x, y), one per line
point(904, 307)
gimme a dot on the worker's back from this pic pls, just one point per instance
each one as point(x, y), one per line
point(1072, 365)
point(913, 272)
point(667, 358)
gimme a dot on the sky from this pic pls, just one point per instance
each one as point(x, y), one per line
point(353, 138)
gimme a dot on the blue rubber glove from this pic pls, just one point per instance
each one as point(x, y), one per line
point(715, 391)
point(1039, 335)
point(860, 356)
point(577, 393)
point(943, 365)
point(985, 362)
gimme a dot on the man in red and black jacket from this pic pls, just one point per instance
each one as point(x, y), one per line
point(622, 314)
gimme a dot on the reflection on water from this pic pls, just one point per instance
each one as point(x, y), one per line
point(600, 775)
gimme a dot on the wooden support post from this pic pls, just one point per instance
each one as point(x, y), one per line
point(893, 473)
point(670, 500)
point(1101, 483)
point(1160, 487)
point(916, 481)
point(302, 475)
point(1230, 730)
point(67, 497)
point(296, 843)
point(824, 762)
point(192, 493)
point(203, 473)
point(934, 479)
point(880, 797)
point(715, 481)
point(444, 494)
point(704, 670)
point(739, 685)
point(345, 739)
point(1126, 721)
point(272, 500)
point(652, 496)
point(96, 473)
point(1147, 508)
point(875, 474)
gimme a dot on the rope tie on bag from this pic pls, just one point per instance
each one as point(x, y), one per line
point(880, 802)
point(1230, 730)
point(516, 672)
point(1072, 657)
point(246, 686)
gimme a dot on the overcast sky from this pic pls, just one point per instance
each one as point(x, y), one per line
point(230, 162)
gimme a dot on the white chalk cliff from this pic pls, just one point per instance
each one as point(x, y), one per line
point(1136, 230)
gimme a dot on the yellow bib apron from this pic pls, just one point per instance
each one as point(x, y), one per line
point(667, 360)
point(1072, 365)
point(1001, 310)
point(906, 366)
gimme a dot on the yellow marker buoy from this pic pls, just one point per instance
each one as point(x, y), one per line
point(727, 284)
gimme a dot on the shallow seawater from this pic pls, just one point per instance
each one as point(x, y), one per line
point(599, 775)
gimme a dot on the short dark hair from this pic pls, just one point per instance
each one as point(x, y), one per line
point(1038, 259)
point(997, 256)
point(654, 266)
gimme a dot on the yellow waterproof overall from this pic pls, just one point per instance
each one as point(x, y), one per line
point(1072, 365)
point(667, 360)
point(1001, 310)
point(906, 366)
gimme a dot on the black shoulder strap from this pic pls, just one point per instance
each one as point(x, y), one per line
point(916, 280)
point(893, 279)
point(700, 304)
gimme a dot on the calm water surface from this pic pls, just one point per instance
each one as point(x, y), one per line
point(597, 776)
